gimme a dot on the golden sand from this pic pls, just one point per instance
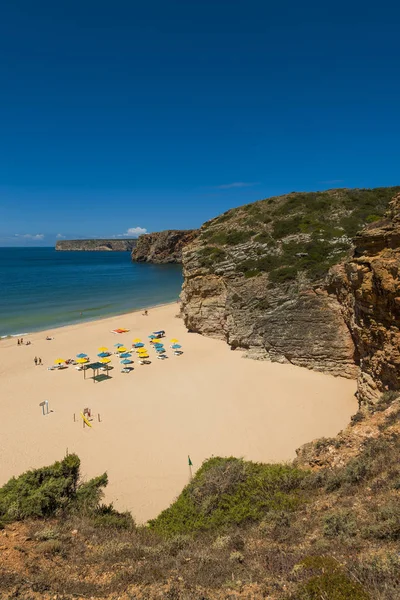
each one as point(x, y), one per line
point(209, 401)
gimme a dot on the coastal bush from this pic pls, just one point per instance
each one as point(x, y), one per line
point(49, 491)
point(209, 255)
point(283, 274)
point(230, 491)
point(329, 581)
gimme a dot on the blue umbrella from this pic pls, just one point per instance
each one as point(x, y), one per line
point(118, 345)
point(103, 354)
point(81, 355)
point(158, 345)
point(139, 345)
point(126, 361)
point(152, 337)
point(176, 346)
point(125, 355)
point(160, 350)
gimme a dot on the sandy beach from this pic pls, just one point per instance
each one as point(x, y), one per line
point(209, 401)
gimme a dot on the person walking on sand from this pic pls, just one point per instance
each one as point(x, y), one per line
point(35, 360)
point(40, 361)
point(18, 342)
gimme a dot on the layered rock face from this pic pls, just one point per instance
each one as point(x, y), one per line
point(367, 286)
point(97, 245)
point(163, 246)
point(255, 277)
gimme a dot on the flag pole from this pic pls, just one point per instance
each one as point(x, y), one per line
point(190, 468)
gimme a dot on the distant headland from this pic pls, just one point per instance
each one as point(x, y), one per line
point(96, 245)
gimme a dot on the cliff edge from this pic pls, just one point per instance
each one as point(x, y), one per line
point(255, 276)
point(163, 246)
point(367, 286)
point(96, 245)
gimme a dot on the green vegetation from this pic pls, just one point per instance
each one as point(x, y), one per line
point(324, 223)
point(229, 491)
point(329, 581)
point(54, 490)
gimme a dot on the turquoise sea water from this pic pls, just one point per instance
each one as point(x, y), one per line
point(41, 288)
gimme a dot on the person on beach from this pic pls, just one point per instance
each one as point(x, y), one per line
point(40, 361)
point(22, 340)
point(35, 361)
point(18, 342)
point(145, 314)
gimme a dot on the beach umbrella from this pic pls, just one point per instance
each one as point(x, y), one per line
point(125, 355)
point(105, 361)
point(160, 350)
point(158, 345)
point(151, 337)
point(137, 341)
point(139, 345)
point(156, 341)
point(176, 346)
point(103, 349)
point(143, 356)
point(174, 341)
point(118, 345)
point(81, 361)
point(103, 354)
point(126, 361)
point(122, 349)
point(58, 361)
point(81, 355)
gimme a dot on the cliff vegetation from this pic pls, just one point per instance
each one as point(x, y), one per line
point(162, 247)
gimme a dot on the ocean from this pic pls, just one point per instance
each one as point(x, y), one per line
point(41, 288)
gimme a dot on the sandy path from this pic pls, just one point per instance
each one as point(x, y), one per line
point(209, 401)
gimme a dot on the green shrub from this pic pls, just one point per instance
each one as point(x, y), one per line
point(263, 238)
point(227, 491)
point(107, 517)
point(339, 523)
point(329, 581)
point(283, 274)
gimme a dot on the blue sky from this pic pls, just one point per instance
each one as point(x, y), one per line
point(128, 115)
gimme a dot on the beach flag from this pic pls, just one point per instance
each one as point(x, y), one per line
point(190, 462)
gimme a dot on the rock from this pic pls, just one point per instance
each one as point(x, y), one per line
point(367, 286)
point(162, 247)
point(257, 277)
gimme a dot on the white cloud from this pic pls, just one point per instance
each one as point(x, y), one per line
point(132, 232)
point(236, 184)
point(30, 236)
point(60, 235)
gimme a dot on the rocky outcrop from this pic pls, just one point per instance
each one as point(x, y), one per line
point(123, 245)
point(367, 286)
point(255, 277)
point(163, 246)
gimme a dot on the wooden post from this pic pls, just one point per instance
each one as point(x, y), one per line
point(74, 418)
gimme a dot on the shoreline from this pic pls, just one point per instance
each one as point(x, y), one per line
point(84, 321)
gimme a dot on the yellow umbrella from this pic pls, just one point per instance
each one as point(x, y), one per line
point(103, 349)
point(105, 360)
point(156, 341)
point(137, 341)
point(59, 361)
point(82, 360)
point(174, 341)
point(122, 349)
point(144, 355)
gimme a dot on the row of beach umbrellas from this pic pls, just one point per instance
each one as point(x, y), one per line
point(123, 352)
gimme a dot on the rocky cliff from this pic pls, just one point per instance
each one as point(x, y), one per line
point(255, 276)
point(163, 246)
point(367, 286)
point(123, 245)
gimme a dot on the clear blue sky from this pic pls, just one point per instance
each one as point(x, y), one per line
point(118, 115)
